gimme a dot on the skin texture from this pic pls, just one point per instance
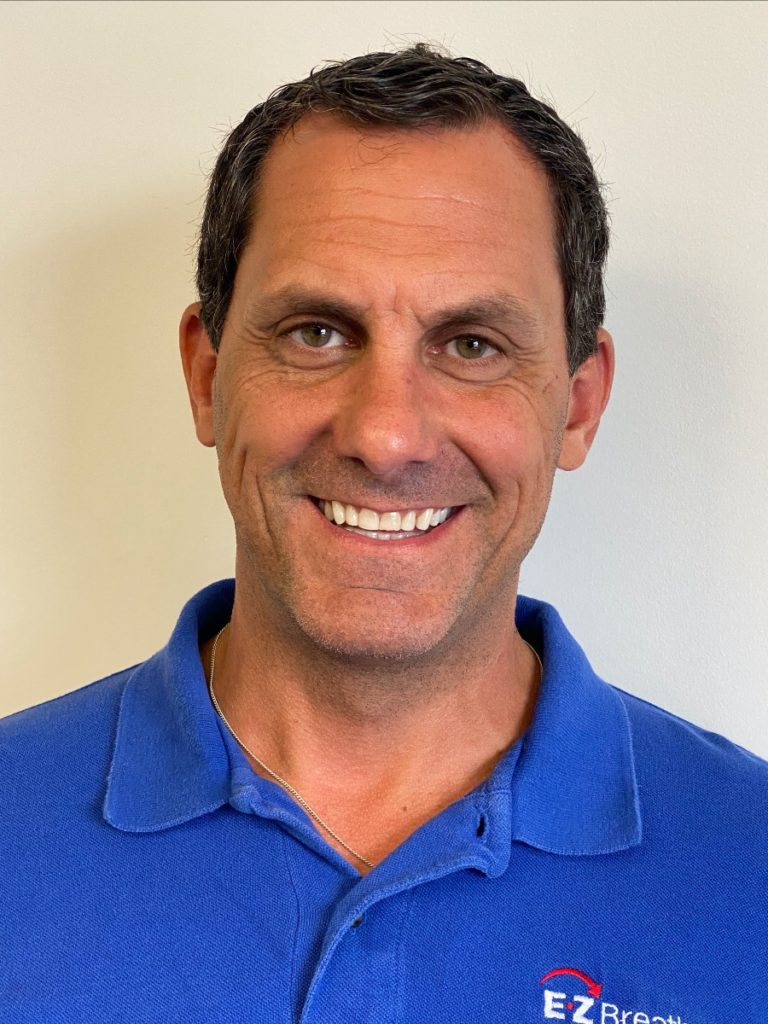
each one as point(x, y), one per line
point(345, 371)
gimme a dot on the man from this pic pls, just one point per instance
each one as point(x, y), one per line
point(367, 781)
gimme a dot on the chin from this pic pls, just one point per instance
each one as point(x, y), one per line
point(363, 641)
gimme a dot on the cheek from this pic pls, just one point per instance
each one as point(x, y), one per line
point(512, 437)
point(262, 423)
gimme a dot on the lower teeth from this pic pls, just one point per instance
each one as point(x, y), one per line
point(385, 534)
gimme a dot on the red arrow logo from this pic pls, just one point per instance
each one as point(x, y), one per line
point(593, 987)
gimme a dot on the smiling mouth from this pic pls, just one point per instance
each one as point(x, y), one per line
point(398, 525)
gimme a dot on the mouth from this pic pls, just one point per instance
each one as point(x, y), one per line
point(399, 524)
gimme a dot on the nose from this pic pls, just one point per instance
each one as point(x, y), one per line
point(387, 416)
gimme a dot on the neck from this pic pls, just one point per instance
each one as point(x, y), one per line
point(352, 737)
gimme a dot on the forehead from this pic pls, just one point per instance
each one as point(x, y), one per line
point(324, 159)
point(433, 207)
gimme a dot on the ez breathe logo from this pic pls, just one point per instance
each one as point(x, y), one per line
point(590, 1008)
point(557, 1004)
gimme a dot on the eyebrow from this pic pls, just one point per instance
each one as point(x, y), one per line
point(495, 309)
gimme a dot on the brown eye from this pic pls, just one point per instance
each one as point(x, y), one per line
point(472, 348)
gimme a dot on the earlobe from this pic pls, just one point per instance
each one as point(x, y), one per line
point(199, 361)
point(590, 389)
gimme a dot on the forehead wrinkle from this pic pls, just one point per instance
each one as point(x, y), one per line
point(358, 191)
point(328, 191)
point(391, 239)
point(371, 217)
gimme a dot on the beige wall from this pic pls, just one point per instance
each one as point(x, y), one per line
point(111, 114)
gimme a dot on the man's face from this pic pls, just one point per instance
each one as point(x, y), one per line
point(395, 343)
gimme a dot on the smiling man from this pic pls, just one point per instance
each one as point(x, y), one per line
point(365, 780)
point(389, 398)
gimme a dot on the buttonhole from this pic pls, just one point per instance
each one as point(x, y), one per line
point(357, 922)
point(481, 825)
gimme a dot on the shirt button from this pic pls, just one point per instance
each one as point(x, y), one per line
point(357, 922)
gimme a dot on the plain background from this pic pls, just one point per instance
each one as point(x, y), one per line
point(112, 113)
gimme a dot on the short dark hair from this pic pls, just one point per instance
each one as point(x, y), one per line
point(417, 87)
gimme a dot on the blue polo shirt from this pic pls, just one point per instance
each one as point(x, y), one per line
point(612, 870)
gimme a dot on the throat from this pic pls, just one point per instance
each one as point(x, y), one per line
point(371, 770)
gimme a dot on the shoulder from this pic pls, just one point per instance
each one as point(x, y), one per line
point(695, 782)
point(669, 734)
point(67, 735)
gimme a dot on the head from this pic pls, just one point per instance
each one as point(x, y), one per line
point(413, 88)
point(401, 298)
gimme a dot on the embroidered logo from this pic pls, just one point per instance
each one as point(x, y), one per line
point(589, 1008)
point(558, 1004)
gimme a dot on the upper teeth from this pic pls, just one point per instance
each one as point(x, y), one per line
point(367, 519)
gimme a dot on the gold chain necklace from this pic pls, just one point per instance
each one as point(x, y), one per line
point(278, 778)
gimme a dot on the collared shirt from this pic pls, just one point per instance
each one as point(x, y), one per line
point(613, 869)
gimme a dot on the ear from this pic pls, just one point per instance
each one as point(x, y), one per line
point(199, 361)
point(590, 389)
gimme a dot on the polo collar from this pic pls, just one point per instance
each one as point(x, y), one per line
point(568, 788)
point(169, 762)
point(574, 788)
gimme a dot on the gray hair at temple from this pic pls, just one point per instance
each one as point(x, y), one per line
point(418, 87)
